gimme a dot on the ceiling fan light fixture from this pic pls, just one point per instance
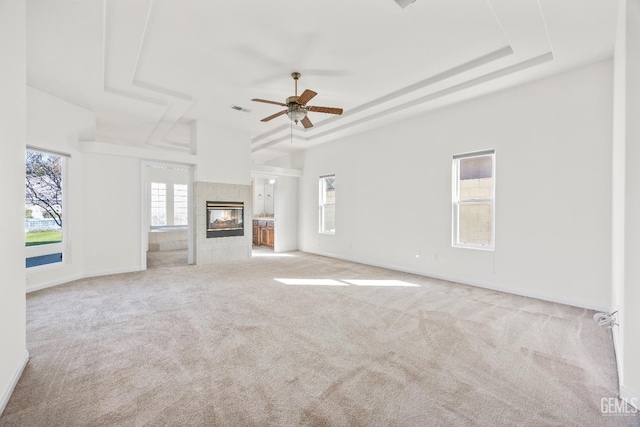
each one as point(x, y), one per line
point(296, 113)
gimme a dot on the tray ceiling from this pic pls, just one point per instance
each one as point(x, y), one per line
point(150, 68)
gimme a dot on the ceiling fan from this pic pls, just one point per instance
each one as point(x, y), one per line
point(297, 107)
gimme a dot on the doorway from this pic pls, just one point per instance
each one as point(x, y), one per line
point(275, 213)
point(167, 206)
point(263, 214)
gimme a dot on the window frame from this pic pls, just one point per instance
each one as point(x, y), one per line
point(322, 204)
point(457, 201)
point(59, 247)
point(166, 205)
point(177, 207)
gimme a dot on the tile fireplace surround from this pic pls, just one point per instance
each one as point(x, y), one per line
point(232, 248)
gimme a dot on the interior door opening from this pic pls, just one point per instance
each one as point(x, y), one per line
point(263, 225)
point(167, 215)
point(275, 214)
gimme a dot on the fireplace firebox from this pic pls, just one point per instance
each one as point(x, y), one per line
point(225, 219)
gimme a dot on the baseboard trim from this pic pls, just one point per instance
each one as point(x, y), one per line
point(491, 286)
point(615, 331)
point(6, 395)
point(630, 396)
point(79, 277)
point(110, 272)
point(53, 283)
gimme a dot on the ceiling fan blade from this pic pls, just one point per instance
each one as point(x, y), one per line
point(273, 116)
point(306, 122)
point(266, 101)
point(328, 110)
point(306, 96)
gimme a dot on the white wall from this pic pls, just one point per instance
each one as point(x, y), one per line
point(103, 210)
point(13, 353)
point(286, 214)
point(269, 197)
point(618, 174)
point(258, 196)
point(263, 197)
point(58, 125)
point(224, 155)
point(632, 287)
point(112, 213)
point(170, 176)
point(626, 209)
point(553, 220)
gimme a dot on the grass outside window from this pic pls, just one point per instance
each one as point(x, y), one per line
point(43, 237)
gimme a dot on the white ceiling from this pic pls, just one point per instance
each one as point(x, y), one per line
point(149, 68)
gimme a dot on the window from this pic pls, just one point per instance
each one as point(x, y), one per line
point(158, 203)
point(474, 200)
point(44, 201)
point(328, 204)
point(180, 204)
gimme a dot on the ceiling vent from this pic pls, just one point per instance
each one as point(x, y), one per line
point(244, 110)
point(404, 3)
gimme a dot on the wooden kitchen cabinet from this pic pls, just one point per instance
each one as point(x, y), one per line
point(263, 233)
point(267, 237)
point(256, 233)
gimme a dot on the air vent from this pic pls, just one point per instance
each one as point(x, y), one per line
point(244, 110)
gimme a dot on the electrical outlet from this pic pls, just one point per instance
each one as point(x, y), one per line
point(435, 257)
point(417, 254)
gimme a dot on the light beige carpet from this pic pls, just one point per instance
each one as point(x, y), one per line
point(160, 259)
point(228, 345)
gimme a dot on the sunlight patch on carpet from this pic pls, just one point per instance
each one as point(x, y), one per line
point(380, 283)
point(257, 254)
